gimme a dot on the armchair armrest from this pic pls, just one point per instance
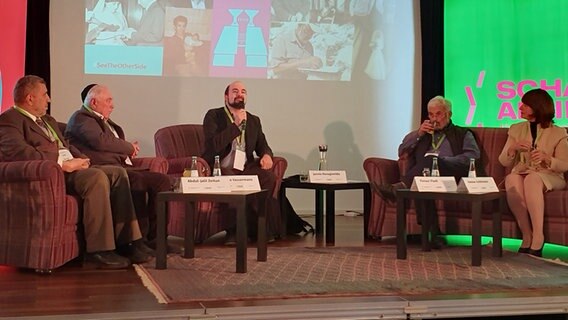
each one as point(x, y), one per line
point(46, 171)
point(279, 166)
point(153, 164)
point(381, 171)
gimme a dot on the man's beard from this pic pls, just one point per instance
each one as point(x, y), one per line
point(237, 104)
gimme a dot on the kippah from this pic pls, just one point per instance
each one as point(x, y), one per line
point(85, 91)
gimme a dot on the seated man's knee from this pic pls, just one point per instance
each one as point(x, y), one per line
point(93, 178)
point(116, 174)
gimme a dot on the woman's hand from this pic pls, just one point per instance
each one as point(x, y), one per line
point(539, 156)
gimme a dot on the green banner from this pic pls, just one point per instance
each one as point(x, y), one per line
point(496, 50)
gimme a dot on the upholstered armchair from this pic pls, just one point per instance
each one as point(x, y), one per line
point(38, 220)
point(178, 143)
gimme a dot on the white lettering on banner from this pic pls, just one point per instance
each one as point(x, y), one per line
point(434, 184)
point(327, 176)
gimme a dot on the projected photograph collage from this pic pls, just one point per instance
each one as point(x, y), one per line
point(278, 39)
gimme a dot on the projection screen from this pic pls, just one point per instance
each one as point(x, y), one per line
point(335, 72)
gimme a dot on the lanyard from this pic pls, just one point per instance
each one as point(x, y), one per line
point(436, 146)
point(51, 132)
point(240, 138)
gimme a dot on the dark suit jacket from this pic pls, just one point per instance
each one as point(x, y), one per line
point(22, 139)
point(89, 133)
point(220, 132)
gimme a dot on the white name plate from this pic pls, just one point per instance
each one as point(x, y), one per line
point(204, 185)
point(434, 184)
point(219, 184)
point(243, 183)
point(477, 185)
point(327, 176)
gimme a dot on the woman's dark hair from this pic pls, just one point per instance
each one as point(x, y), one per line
point(542, 105)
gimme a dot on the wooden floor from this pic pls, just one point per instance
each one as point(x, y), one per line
point(75, 289)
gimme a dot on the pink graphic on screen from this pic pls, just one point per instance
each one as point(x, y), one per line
point(239, 45)
point(12, 42)
point(471, 99)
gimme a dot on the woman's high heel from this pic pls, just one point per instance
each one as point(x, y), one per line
point(524, 250)
point(536, 253)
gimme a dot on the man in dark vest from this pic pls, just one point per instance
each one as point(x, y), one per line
point(439, 138)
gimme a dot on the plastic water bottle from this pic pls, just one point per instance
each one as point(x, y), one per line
point(322, 165)
point(435, 172)
point(193, 171)
point(217, 167)
point(471, 173)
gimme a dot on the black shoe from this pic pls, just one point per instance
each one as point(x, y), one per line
point(437, 243)
point(230, 238)
point(171, 247)
point(523, 250)
point(134, 252)
point(141, 245)
point(107, 260)
point(536, 253)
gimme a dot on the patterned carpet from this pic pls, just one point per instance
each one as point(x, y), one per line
point(345, 271)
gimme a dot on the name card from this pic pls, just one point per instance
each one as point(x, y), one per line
point(219, 184)
point(434, 184)
point(204, 185)
point(478, 185)
point(243, 183)
point(327, 176)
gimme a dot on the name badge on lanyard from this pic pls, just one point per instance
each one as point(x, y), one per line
point(64, 155)
point(240, 160)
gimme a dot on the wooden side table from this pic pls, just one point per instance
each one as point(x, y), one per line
point(329, 189)
point(239, 199)
point(476, 200)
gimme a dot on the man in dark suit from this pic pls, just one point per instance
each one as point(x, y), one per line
point(109, 221)
point(235, 135)
point(91, 130)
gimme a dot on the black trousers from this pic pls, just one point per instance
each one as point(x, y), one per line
point(144, 186)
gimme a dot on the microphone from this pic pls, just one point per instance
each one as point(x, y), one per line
point(243, 124)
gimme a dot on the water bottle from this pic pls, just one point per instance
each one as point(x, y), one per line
point(322, 165)
point(217, 167)
point(435, 171)
point(193, 171)
point(471, 173)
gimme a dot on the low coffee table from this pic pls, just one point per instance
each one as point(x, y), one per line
point(476, 199)
point(329, 189)
point(239, 199)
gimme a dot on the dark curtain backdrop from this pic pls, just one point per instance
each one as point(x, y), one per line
point(432, 26)
point(431, 22)
point(37, 40)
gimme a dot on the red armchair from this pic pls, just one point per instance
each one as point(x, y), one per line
point(38, 220)
point(178, 143)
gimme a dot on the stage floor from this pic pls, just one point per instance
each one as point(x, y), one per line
point(78, 292)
